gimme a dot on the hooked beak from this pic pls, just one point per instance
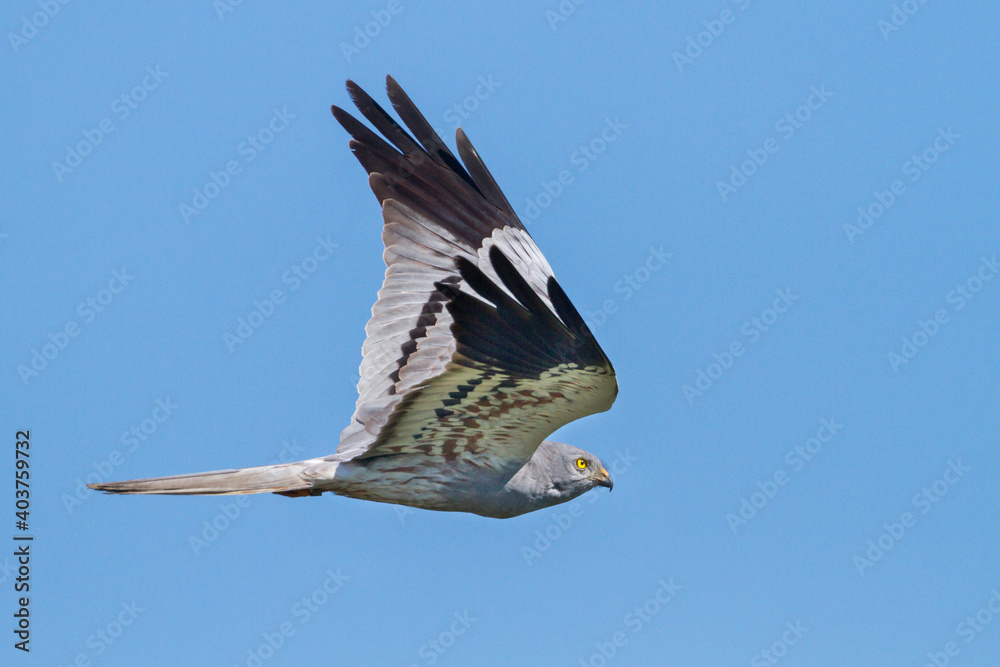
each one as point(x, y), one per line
point(604, 479)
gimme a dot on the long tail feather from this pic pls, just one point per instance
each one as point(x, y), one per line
point(285, 478)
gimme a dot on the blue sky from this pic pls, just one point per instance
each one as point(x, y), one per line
point(779, 220)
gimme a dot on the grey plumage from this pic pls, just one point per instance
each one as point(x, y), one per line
point(474, 354)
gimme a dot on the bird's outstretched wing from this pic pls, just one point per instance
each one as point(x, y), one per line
point(473, 348)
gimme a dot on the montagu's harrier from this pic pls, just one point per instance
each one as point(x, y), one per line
point(474, 352)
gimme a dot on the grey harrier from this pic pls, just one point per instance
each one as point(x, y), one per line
point(474, 352)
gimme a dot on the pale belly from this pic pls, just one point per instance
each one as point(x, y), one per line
point(408, 480)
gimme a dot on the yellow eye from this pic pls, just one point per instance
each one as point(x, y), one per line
point(581, 464)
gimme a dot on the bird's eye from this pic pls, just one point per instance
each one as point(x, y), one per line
point(581, 464)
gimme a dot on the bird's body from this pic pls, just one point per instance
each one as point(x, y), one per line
point(459, 486)
point(474, 353)
point(506, 491)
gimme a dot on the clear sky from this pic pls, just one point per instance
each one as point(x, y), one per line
point(779, 219)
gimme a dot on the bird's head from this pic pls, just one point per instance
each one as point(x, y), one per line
point(570, 470)
point(556, 473)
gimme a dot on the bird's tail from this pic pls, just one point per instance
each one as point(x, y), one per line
point(290, 479)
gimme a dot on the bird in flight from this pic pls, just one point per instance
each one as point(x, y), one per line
point(474, 354)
